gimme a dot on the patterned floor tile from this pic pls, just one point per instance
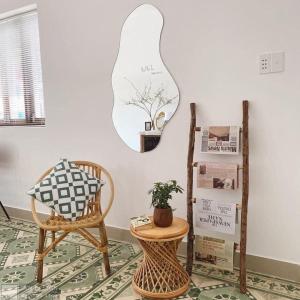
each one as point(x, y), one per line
point(24, 244)
point(19, 259)
point(279, 287)
point(224, 291)
point(2, 245)
point(75, 271)
point(266, 296)
point(20, 275)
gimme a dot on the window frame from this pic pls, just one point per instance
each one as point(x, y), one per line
point(30, 119)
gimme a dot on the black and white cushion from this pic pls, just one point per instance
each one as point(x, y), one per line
point(66, 189)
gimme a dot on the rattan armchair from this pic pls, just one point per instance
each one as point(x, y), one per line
point(93, 217)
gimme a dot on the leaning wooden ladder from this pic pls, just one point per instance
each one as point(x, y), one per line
point(245, 193)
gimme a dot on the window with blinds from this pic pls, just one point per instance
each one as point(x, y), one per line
point(21, 86)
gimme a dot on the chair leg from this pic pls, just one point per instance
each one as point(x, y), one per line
point(42, 236)
point(3, 208)
point(104, 242)
point(53, 238)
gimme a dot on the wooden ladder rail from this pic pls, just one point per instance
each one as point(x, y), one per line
point(191, 236)
point(245, 196)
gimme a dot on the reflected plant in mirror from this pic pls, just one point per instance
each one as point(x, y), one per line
point(151, 102)
point(144, 90)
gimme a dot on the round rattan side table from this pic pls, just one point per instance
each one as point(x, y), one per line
point(160, 274)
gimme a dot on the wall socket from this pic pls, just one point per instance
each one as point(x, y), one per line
point(271, 63)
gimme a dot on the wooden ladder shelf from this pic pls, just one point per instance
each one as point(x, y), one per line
point(245, 193)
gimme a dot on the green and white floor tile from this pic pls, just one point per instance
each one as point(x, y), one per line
point(74, 271)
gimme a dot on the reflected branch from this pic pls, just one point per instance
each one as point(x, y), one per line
point(151, 102)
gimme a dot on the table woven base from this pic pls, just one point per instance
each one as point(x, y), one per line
point(160, 274)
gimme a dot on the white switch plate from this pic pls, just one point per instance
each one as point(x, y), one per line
point(265, 63)
point(271, 63)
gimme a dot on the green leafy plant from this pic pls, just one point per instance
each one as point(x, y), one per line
point(161, 193)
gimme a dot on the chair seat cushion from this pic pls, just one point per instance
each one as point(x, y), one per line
point(66, 189)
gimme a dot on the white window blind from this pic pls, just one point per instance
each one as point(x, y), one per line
point(21, 86)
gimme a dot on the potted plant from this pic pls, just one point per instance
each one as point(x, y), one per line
point(161, 194)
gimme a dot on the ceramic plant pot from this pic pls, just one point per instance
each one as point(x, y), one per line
point(163, 217)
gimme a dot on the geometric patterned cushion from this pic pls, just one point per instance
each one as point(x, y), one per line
point(66, 189)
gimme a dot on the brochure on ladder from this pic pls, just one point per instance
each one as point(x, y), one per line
point(215, 216)
point(214, 252)
point(212, 175)
point(220, 139)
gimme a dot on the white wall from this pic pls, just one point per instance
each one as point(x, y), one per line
point(211, 48)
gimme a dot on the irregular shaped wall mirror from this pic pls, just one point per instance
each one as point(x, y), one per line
point(145, 94)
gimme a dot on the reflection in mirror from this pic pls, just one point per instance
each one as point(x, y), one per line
point(145, 94)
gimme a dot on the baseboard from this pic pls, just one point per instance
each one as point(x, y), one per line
point(114, 233)
point(257, 264)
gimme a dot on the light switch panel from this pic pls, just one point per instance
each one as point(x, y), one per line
point(265, 63)
point(271, 63)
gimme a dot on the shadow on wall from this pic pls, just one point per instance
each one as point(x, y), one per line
point(9, 181)
point(7, 156)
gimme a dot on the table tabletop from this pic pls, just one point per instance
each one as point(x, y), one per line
point(178, 229)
